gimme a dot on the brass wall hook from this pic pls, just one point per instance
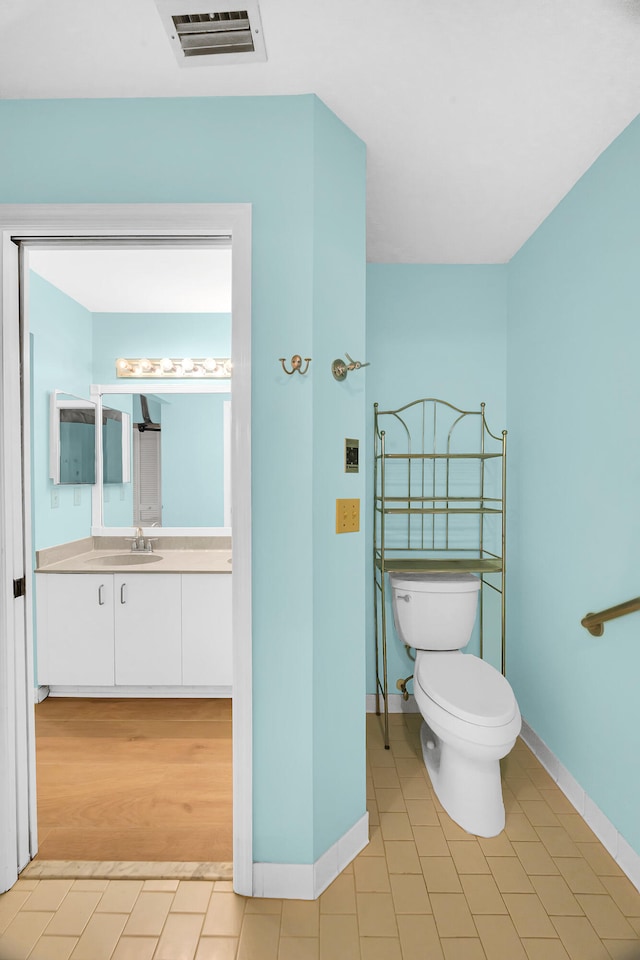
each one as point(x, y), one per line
point(296, 364)
point(340, 368)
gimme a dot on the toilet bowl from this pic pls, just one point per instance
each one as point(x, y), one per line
point(471, 718)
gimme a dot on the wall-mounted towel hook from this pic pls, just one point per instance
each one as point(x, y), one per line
point(296, 364)
point(340, 368)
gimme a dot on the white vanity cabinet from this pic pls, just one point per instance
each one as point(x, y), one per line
point(132, 630)
point(206, 629)
point(147, 629)
point(75, 629)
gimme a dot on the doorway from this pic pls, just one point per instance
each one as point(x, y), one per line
point(127, 223)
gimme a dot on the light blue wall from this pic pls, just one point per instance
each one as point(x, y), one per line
point(574, 402)
point(61, 331)
point(432, 331)
point(262, 150)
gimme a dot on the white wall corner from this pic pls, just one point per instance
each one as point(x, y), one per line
point(395, 702)
point(613, 841)
point(306, 881)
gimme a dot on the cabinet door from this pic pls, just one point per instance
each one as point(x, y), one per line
point(75, 629)
point(206, 629)
point(147, 628)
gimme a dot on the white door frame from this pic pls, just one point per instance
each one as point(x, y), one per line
point(17, 739)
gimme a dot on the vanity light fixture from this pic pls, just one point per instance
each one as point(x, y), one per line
point(190, 367)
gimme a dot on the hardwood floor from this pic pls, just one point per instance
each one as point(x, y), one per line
point(134, 779)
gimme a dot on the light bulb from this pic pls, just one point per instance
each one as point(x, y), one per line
point(210, 365)
point(227, 366)
point(146, 365)
point(166, 365)
point(123, 365)
point(187, 365)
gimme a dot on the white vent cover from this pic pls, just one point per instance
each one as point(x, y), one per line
point(208, 32)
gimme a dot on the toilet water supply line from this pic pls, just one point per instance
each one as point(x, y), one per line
point(402, 684)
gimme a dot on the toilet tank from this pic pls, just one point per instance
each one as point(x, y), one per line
point(434, 611)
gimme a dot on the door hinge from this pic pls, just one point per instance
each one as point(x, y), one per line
point(19, 587)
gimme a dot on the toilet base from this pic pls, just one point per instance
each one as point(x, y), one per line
point(469, 789)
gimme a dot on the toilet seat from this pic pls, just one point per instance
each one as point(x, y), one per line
point(467, 688)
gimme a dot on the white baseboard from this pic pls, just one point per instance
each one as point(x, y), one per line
point(613, 841)
point(395, 702)
point(306, 881)
point(139, 692)
point(40, 693)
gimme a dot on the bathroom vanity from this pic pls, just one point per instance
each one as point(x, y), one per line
point(110, 623)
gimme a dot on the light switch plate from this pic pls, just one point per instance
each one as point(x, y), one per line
point(347, 516)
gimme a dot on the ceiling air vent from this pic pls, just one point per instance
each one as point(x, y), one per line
point(204, 33)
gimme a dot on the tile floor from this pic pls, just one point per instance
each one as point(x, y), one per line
point(545, 889)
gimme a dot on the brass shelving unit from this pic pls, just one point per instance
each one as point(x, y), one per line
point(439, 507)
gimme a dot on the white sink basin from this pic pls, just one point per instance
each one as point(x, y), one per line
point(124, 559)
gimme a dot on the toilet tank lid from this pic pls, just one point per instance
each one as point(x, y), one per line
point(467, 687)
point(436, 582)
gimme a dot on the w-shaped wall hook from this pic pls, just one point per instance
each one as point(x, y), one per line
point(296, 364)
point(340, 368)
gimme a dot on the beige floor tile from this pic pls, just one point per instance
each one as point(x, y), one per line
point(558, 802)
point(339, 937)
point(179, 939)
point(161, 886)
point(52, 948)
point(556, 897)
point(217, 948)
point(600, 860)
point(635, 923)
point(371, 874)
point(384, 778)
point(149, 914)
point(375, 847)
point(482, 894)
point(468, 856)
point(48, 895)
point(528, 914)
point(422, 813)
point(431, 841)
point(419, 938)
point(73, 914)
point(500, 939)
point(452, 915)
point(391, 800)
point(541, 778)
point(135, 948)
point(576, 827)
point(557, 841)
point(23, 884)
point(510, 801)
point(192, 896)
point(259, 937)
point(580, 939)
point(523, 789)
point(579, 875)
point(380, 948)
point(451, 829)
point(10, 904)
point(518, 827)
point(374, 813)
point(409, 894)
point(89, 884)
point(340, 896)
point(120, 896)
point(408, 767)
point(440, 875)
point(545, 949)
point(538, 813)
point(465, 948)
point(299, 948)
point(535, 858)
point(379, 757)
point(224, 915)
point(606, 918)
point(376, 916)
point(624, 894)
point(622, 949)
point(21, 935)
point(100, 936)
point(415, 788)
point(402, 857)
point(263, 905)
point(223, 886)
point(499, 846)
point(395, 826)
point(300, 918)
point(509, 875)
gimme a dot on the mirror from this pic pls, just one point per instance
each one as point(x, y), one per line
point(179, 449)
point(72, 441)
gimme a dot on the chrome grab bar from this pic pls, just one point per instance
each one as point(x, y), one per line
point(594, 622)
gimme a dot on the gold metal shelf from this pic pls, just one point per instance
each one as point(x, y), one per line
point(441, 456)
point(439, 565)
point(431, 510)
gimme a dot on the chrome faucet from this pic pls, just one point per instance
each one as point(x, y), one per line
point(140, 543)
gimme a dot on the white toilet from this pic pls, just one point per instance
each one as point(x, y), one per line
point(471, 718)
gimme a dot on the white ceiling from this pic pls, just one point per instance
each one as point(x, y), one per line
point(478, 115)
point(140, 281)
